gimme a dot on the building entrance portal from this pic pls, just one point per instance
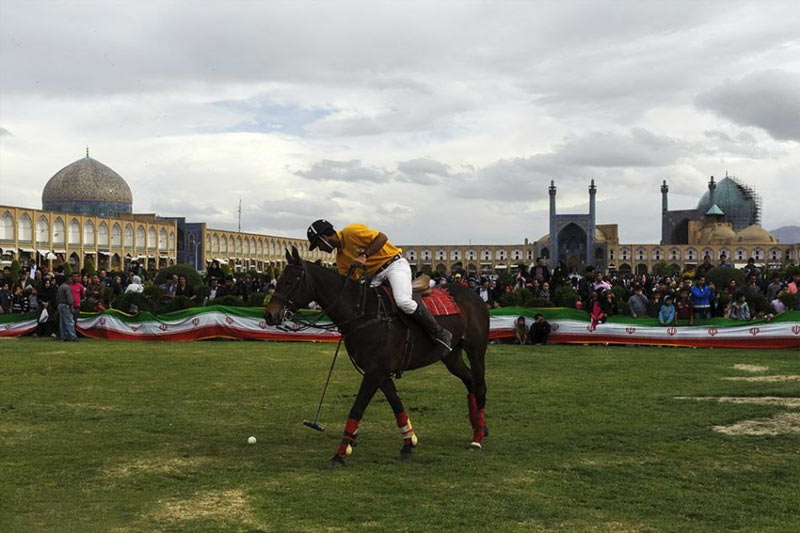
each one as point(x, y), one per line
point(572, 244)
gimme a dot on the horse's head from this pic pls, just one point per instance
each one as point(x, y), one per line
point(293, 291)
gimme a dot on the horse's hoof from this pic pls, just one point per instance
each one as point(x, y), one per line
point(335, 462)
point(475, 446)
point(405, 454)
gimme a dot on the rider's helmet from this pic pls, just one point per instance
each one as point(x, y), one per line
point(315, 230)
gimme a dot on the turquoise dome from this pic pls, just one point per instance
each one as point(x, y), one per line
point(739, 204)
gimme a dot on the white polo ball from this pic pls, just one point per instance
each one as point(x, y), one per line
point(251, 440)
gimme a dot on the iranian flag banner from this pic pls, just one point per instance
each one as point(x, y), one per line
point(568, 326)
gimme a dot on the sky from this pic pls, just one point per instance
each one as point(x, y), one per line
point(435, 122)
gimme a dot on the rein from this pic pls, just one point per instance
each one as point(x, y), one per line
point(382, 316)
point(288, 303)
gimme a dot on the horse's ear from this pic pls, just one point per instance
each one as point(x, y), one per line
point(289, 258)
point(296, 255)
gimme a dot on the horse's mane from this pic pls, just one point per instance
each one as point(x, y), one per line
point(334, 274)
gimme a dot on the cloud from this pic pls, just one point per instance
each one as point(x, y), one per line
point(293, 213)
point(4, 133)
point(422, 171)
point(347, 171)
point(435, 122)
point(639, 148)
point(767, 99)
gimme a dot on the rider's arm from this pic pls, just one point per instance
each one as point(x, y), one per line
point(376, 244)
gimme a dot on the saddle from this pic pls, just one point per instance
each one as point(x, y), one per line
point(421, 286)
point(437, 300)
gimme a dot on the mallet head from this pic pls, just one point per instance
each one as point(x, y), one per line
point(313, 425)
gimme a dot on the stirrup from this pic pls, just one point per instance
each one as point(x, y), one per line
point(443, 342)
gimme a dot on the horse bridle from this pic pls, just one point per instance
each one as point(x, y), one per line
point(289, 305)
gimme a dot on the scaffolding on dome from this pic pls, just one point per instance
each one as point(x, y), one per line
point(752, 216)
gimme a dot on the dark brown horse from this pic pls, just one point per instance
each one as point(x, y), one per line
point(383, 345)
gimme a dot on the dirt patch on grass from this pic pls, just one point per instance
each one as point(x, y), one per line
point(155, 465)
point(216, 505)
point(751, 368)
point(777, 425)
point(792, 403)
point(766, 379)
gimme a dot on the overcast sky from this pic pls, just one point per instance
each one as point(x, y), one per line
point(436, 122)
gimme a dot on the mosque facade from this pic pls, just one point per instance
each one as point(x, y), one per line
point(87, 215)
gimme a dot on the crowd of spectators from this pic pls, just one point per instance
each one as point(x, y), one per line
point(681, 297)
point(672, 299)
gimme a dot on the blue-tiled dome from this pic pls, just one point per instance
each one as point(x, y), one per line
point(87, 187)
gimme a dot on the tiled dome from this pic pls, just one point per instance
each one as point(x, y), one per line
point(739, 204)
point(88, 187)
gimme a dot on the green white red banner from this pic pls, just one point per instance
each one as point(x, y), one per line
point(568, 326)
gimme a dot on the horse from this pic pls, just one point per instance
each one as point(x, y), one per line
point(383, 344)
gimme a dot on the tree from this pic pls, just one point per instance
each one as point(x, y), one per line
point(89, 267)
point(181, 269)
point(15, 268)
point(661, 269)
point(720, 276)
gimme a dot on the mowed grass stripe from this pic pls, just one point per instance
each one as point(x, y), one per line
point(127, 436)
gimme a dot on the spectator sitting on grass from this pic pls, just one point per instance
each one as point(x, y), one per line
point(540, 330)
point(638, 303)
point(666, 313)
point(521, 331)
point(685, 310)
point(738, 309)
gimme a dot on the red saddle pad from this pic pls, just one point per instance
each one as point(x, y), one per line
point(440, 303)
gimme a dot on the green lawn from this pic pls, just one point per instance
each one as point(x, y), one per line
point(126, 436)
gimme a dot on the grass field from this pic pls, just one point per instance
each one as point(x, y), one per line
point(118, 436)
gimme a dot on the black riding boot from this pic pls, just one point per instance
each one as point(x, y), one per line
point(442, 337)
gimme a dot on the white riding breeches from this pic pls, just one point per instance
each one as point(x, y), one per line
point(399, 276)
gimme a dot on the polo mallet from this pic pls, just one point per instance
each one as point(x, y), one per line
point(313, 423)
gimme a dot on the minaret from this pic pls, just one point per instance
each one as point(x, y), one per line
point(591, 225)
point(664, 211)
point(712, 187)
point(553, 232)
